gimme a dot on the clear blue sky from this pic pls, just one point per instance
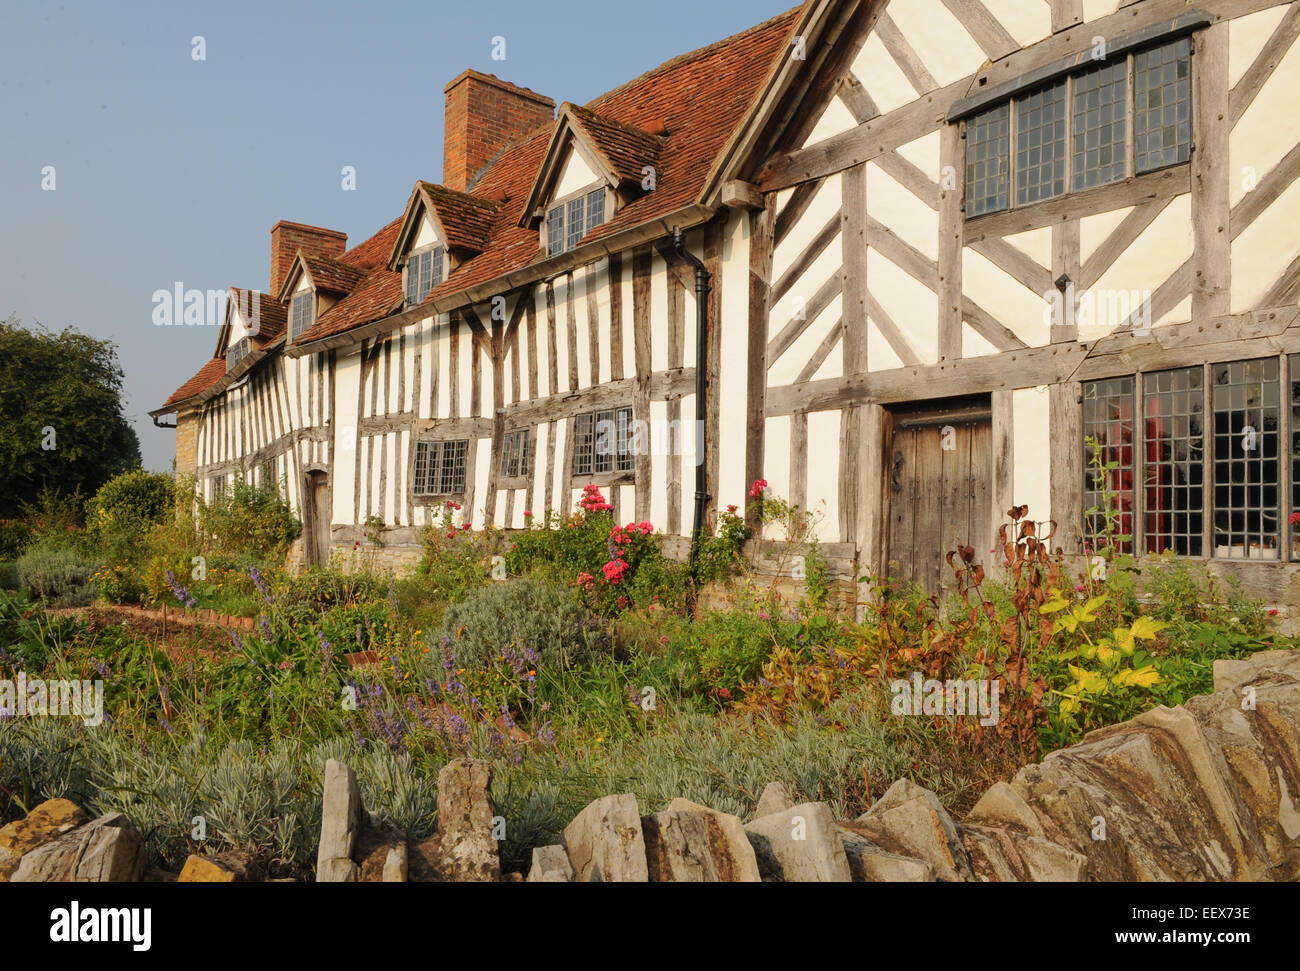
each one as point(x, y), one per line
point(169, 169)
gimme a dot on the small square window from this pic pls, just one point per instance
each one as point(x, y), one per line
point(603, 442)
point(302, 314)
point(423, 273)
point(440, 468)
point(514, 454)
point(573, 228)
point(555, 231)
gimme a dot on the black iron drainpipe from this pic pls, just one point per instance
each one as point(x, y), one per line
point(702, 276)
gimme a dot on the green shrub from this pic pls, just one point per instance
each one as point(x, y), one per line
point(57, 575)
point(528, 614)
point(615, 567)
point(121, 515)
point(318, 589)
point(15, 537)
point(250, 521)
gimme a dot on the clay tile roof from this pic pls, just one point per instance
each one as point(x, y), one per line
point(698, 98)
point(273, 316)
point(207, 376)
point(334, 275)
point(373, 253)
point(627, 149)
point(467, 220)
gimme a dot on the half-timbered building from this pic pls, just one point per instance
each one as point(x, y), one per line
point(946, 254)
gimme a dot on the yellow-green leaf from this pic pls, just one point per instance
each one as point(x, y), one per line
point(1147, 627)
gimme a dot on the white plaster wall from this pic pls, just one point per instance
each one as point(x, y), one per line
point(823, 473)
point(1031, 451)
point(732, 367)
point(574, 175)
point(348, 376)
point(939, 39)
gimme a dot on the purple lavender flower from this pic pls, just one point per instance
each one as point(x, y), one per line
point(262, 587)
point(266, 629)
point(546, 734)
point(180, 592)
point(100, 667)
point(166, 724)
point(397, 668)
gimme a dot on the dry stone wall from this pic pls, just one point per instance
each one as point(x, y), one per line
point(1207, 791)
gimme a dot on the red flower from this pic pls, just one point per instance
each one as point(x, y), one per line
point(731, 509)
point(724, 693)
point(614, 571)
point(1273, 612)
point(451, 504)
point(1295, 518)
point(757, 488)
point(528, 514)
point(464, 527)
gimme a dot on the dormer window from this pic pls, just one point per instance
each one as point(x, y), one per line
point(237, 352)
point(570, 220)
point(301, 313)
point(423, 272)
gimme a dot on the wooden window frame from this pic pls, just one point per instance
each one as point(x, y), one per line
point(561, 204)
point(520, 478)
point(238, 351)
point(622, 469)
point(437, 272)
point(310, 297)
point(464, 472)
point(1288, 462)
point(1033, 84)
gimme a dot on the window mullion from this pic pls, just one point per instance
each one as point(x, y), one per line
point(1068, 111)
point(1207, 463)
point(1139, 540)
point(1130, 118)
point(1011, 153)
point(1284, 498)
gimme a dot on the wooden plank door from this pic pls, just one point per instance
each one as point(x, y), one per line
point(317, 511)
point(940, 483)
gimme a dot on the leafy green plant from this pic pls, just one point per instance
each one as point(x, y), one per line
point(249, 520)
point(527, 614)
point(120, 516)
point(57, 574)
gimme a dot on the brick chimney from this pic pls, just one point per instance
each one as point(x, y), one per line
point(287, 238)
point(484, 114)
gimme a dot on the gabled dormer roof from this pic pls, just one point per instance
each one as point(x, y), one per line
point(616, 151)
point(271, 315)
point(462, 221)
point(325, 273)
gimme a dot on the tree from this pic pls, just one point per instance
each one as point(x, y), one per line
point(61, 421)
